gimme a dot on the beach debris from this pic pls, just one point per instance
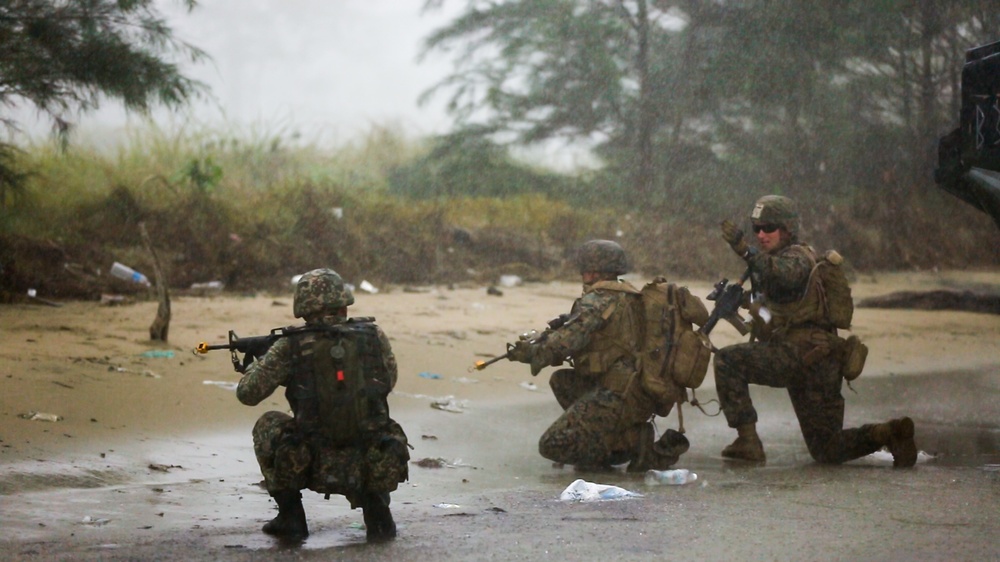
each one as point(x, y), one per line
point(429, 437)
point(432, 463)
point(113, 300)
point(158, 353)
point(582, 491)
point(884, 457)
point(529, 386)
point(40, 416)
point(222, 384)
point(94, 521)
point(449, 404)
point(493, 291)
point(447, 506)
point(466, 380)
point(33, 295)
point(367, 287)
point(163, 467)
point(150, 374)
point(510, 281)
point(426, 375)
point(208, 287)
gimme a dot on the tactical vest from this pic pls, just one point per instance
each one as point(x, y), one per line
point(826, 300)
point(339, 383)
point(614, 344)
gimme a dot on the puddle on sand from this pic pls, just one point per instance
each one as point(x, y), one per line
point(960, 446)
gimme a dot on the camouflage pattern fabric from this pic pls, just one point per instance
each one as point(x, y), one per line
point(288, 463)
point(775, 209)
point(320, 292)
point(814, 392)
point(601, 256)
point(799, 358)
point(591, 433)
point(600, 424)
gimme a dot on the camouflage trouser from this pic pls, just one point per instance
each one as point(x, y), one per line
point(814, 391)
point(288, 463)
point(595, 430)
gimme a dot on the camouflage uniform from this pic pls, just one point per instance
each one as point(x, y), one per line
point(274, 432)
point(802, 359)
point(798, 349)
point(605, 408)
point(606, 418)
point(362, 455)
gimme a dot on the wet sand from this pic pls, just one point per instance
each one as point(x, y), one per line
point(152, 458)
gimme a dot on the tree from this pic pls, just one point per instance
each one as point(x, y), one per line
point(547, 69)
point(63, 57)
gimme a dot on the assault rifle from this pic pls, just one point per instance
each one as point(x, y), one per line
point(252, 348)
point(728, 297)
point(532, 337)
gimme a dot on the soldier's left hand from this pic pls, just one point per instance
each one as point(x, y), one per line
point(521, 351)
point(734, 237)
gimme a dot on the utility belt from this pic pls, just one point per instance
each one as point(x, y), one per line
point(816, 342)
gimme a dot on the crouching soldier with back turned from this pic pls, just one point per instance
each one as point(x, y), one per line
point(800, 307)
point(607, 417)
point(337, 373)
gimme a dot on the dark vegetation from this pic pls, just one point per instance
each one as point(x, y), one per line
point(694, 109)
point(253, 214)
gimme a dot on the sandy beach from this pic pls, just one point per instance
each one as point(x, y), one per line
point(151, 455)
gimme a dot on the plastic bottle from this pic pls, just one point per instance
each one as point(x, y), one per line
point(674, 477)
point(128, 274)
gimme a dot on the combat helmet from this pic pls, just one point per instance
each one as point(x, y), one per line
point(319, 292)
point(601, 256)
point(776, 209)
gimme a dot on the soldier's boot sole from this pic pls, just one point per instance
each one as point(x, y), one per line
point(901, 443)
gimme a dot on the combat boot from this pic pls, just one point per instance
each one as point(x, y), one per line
point(747, 446)
point(291, 520)
point(379, 525)
point(659, 455)
point(897, 435)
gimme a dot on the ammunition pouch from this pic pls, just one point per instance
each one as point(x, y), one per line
point(689, 358)
point(854, 355)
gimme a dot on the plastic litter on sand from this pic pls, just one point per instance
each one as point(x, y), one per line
point(582, 491)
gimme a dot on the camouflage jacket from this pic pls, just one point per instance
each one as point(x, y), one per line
point(264, 376)
point(599, 337)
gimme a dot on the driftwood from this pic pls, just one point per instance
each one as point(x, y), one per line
point(966, 301)
point(161, 325)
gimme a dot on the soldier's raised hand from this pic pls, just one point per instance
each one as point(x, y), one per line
point(734, 237)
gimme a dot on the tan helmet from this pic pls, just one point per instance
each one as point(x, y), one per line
point(601, 256)
point(778, 210)
point(320, 292)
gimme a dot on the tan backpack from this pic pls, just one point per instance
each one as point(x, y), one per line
point(673, 355)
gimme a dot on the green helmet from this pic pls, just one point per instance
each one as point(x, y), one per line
point(601, 256)
point(776, 209)
point(319, 292)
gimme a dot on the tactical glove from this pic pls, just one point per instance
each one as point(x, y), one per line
point(522, 351)
point(734, 237)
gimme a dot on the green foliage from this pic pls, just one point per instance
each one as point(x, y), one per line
point(469, 165)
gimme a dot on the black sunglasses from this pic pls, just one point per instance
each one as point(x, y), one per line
point(766, 228)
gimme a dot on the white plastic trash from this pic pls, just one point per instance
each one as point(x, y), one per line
point(510, 281)
point(368, 287)
point(675, 477)
point(582, 491)
point(128, 274)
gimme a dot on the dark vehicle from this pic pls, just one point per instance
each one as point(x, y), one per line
point(969, 156)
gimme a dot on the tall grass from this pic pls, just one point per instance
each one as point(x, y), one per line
point(253, 208)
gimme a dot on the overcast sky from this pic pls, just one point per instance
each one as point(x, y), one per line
point(326, 68)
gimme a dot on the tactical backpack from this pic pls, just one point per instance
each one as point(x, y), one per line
point(673, 355)
point(834, 290)
point(338, 393)
point(833, 295)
